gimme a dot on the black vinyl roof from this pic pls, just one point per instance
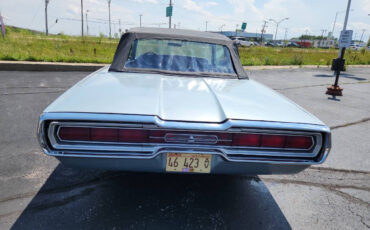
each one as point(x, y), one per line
point(183, 33)
point(128, 39)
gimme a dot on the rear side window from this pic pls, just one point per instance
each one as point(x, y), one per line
point(180, 56)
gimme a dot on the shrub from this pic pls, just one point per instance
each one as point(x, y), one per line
point(297, 60)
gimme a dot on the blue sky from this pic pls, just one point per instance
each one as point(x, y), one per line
point(305, 16)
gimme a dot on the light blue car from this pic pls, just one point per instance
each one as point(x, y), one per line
point(179, 101)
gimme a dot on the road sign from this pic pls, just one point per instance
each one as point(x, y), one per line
point(169, 11)
point(244, 25)
point(345, 38)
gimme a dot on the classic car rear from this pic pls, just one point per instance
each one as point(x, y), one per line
point(180, 101)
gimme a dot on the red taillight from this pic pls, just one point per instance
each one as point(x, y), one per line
point(186, 137)
point(133, 135)
point(251, 140)
point(104, 134)
point(298, 142)
point(273, 141)
point(74, 133)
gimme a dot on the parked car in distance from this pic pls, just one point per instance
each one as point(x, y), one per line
point(354, 47)
point(241, 42)
point(179, 101)
point(272, 44)
point(292, 44)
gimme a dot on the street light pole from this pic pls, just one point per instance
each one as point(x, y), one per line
point(206, 25)
point(82, 18)
point(140, 15)
point(46, 17)
point(277, 24)
point(87, 25)
point(335, 20)
point(169, 18)
point(363, 31)
point(110, 28)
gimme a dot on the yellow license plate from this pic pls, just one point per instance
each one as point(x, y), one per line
point(184, 162)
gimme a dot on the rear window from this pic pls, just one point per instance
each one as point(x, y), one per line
point(180, 56)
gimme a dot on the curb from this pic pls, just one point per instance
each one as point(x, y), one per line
point(48, 66)
point(299, 67)
point(90, 67)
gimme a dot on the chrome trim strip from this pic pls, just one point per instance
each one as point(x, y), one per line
point(151, 121)
point(59, 144)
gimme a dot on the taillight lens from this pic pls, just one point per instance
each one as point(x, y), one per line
point(272, 141)
point(133, 135)
point(102, 134)
point(298, 142)
point(251, 140)
point(278, 141)
point(74, 133)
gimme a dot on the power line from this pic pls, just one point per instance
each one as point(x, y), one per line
point(36, 13)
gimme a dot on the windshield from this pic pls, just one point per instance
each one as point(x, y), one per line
point(180, 56)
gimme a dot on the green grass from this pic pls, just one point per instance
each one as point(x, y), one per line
point(296, 56)
point(25, 45)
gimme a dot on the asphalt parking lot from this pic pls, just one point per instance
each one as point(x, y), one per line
point(36, 192)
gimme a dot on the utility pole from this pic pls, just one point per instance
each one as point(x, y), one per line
point(87, 25)
point(263, 29)
point(335, 90)
point(322, 37)
point(277, 24)
point(170, 17)
point(82, 18)
point(46, 17)
point(286, 34)
point(119, 27)
point(206, 26)
point(110, 28)
point(363, 31)
point(140, 15)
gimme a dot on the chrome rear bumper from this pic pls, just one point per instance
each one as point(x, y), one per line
point(158, 165)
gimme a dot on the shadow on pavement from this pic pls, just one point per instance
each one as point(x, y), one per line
point(73, 199)
point(345, 75)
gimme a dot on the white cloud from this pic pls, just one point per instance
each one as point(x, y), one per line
point(365, 6)
point(211, 4)
point(191, 5)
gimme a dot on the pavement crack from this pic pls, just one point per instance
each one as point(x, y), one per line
point(93, 181)
point(339, 170)
point(351, 123)
point(310, 86)
point(332, 188)
point(361, 217)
